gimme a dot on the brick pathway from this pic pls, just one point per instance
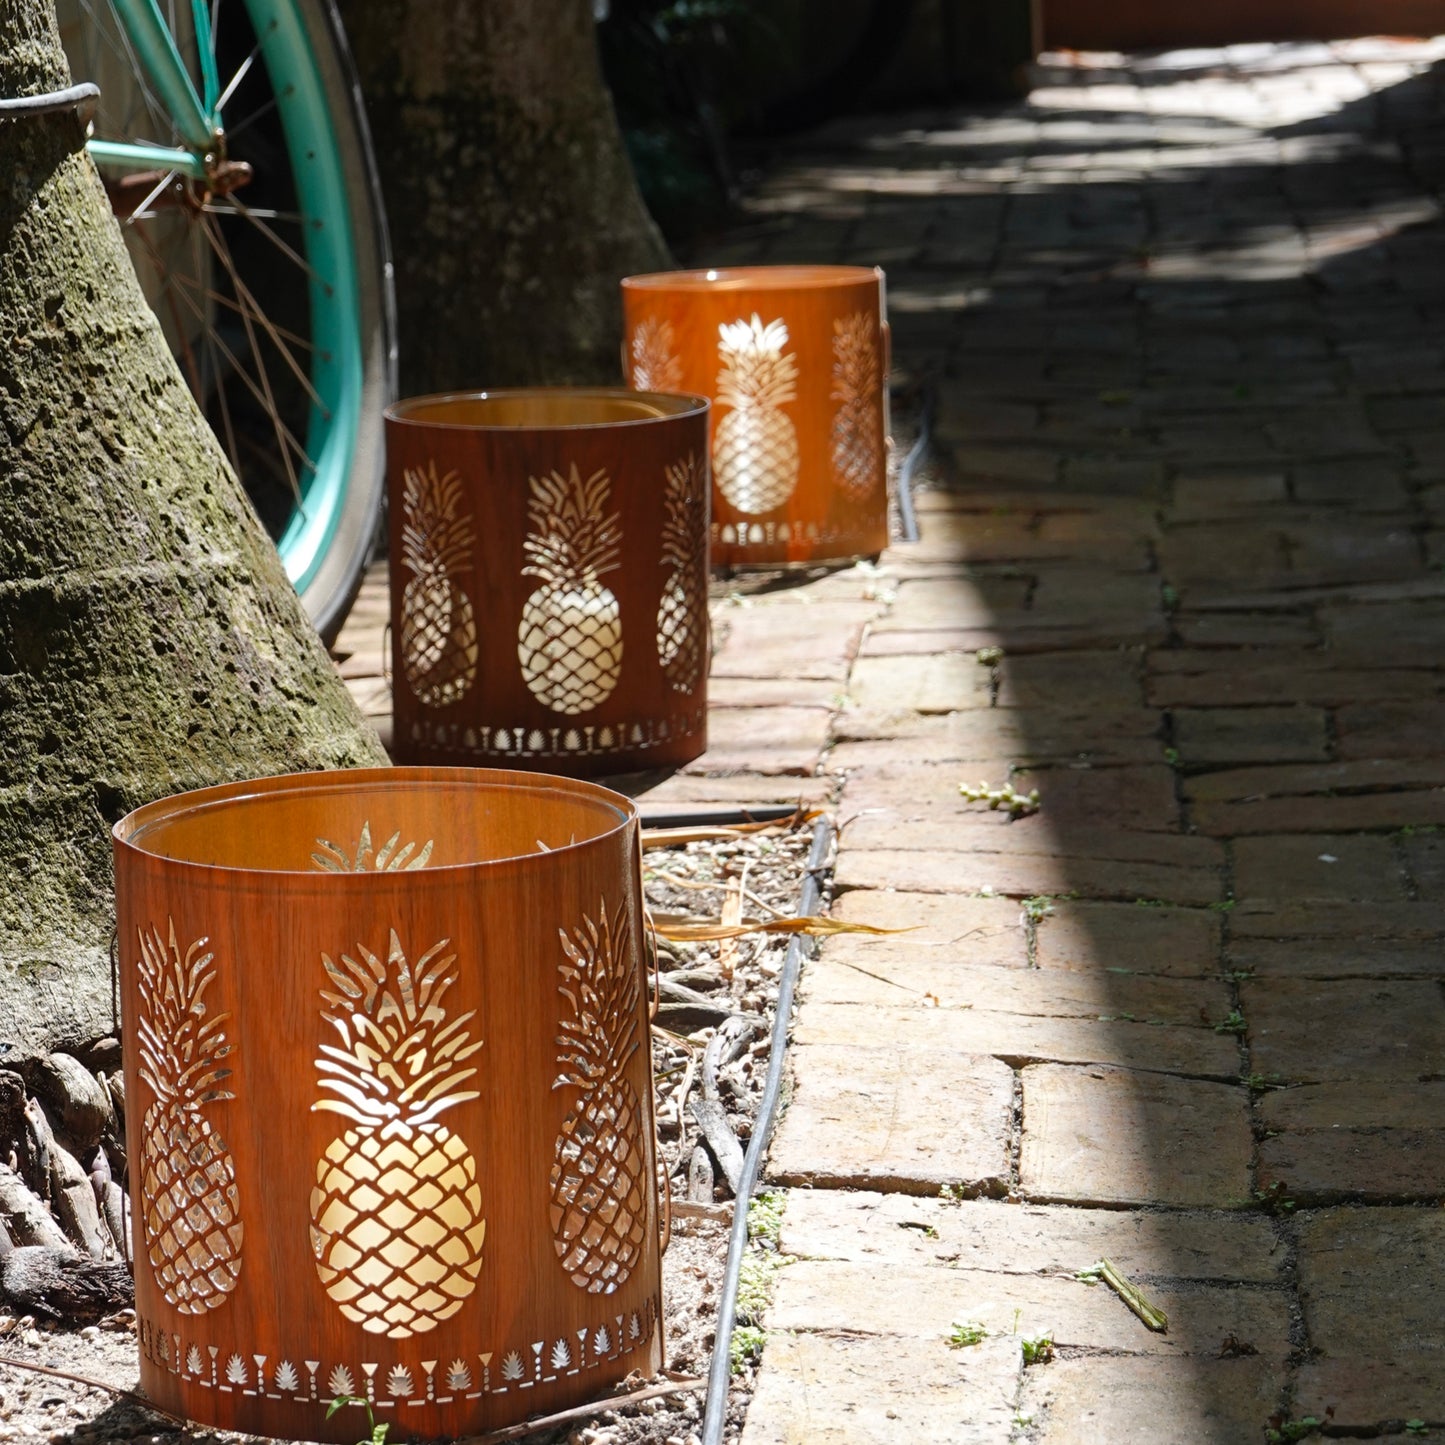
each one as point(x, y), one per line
point(1187, 325)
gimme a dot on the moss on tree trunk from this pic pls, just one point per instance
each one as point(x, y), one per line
point(512, 205)
point(149, 640)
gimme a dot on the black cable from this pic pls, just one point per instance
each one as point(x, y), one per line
point(719, 816)
point(720, 1371)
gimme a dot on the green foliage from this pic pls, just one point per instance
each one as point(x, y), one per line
point(745, 1346)
point(1291, 1430)
point(1037, 1351)
point(376, 1431)
point(969, 1332)
point(765, 1218)
point(1006, 796)
point(1038, 908)
point(1232, 1023)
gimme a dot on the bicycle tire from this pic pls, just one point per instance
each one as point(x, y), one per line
point(311, 143)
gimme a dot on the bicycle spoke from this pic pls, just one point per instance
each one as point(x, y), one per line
point(237, 78)
point(258, 114)
point(256, 312)
point(289, 252)
point(218, 244)
point(291, 336)
point(215, 209)
point(238, 369)
point(107, 27)
point(140, 213)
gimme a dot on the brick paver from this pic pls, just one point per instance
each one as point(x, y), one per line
point(1185, 322)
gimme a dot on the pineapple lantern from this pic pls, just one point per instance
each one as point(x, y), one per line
point(386, 1040)
point(549, 578)
point(795, 360)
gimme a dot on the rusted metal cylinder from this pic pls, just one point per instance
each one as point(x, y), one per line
point(389, 1099)
point(549, 579)
point(795, 359)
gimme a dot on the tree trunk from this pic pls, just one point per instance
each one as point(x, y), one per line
point(512, 206)
point(149, 640)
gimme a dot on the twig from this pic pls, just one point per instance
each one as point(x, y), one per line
point(86, 1380)
point(724, 1046)
point(728, 956)
point(580, 1412)
point(1153, 1318)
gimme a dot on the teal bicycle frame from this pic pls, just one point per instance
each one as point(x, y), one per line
point(320, 185)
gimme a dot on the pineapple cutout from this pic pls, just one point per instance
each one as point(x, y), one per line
point(192, 1216)
point(570, 639)
point(396, 1223)
point(755, 447)
point(681, 625)
point(598, 1208)
point(653, 357)
point(333, 858)
point(858, 422)
point(438, 625)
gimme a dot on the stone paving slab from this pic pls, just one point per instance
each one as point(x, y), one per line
point(1173, 1402)
point(814, 641)
point(763, 740)
point(1373, 1395)
point(1070, 799)
point(1376, 1165)
point(1112, 936)
point(946, 603)
point(1346, 867)
point(817, 1389)
point(923, 1302)
point(890, 1113)
point(739, 789)
point(1251, 734)
point(1109, 1136)
point(1371, 729)
point(1326, 920)
point(1024, 1038)
point(1369, 1282)
point(1015, 1238)
point(1094, 736)
point(1022, 875)
point(946, 682)
point(1312, 958)
point(929, 978)
point(1307, 1029)
point(950, 928)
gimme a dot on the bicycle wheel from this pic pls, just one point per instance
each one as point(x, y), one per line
point(232, 142)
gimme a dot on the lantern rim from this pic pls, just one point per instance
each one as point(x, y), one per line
point(144, 827)
point(544, 409)
point(754, 278)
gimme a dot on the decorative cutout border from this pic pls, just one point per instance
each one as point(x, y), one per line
point(198, 1362)
point(558, 741)
point(772, 534)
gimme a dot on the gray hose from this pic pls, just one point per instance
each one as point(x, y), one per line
point(720, 1370)
point(907, 517)
point(73, 97)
